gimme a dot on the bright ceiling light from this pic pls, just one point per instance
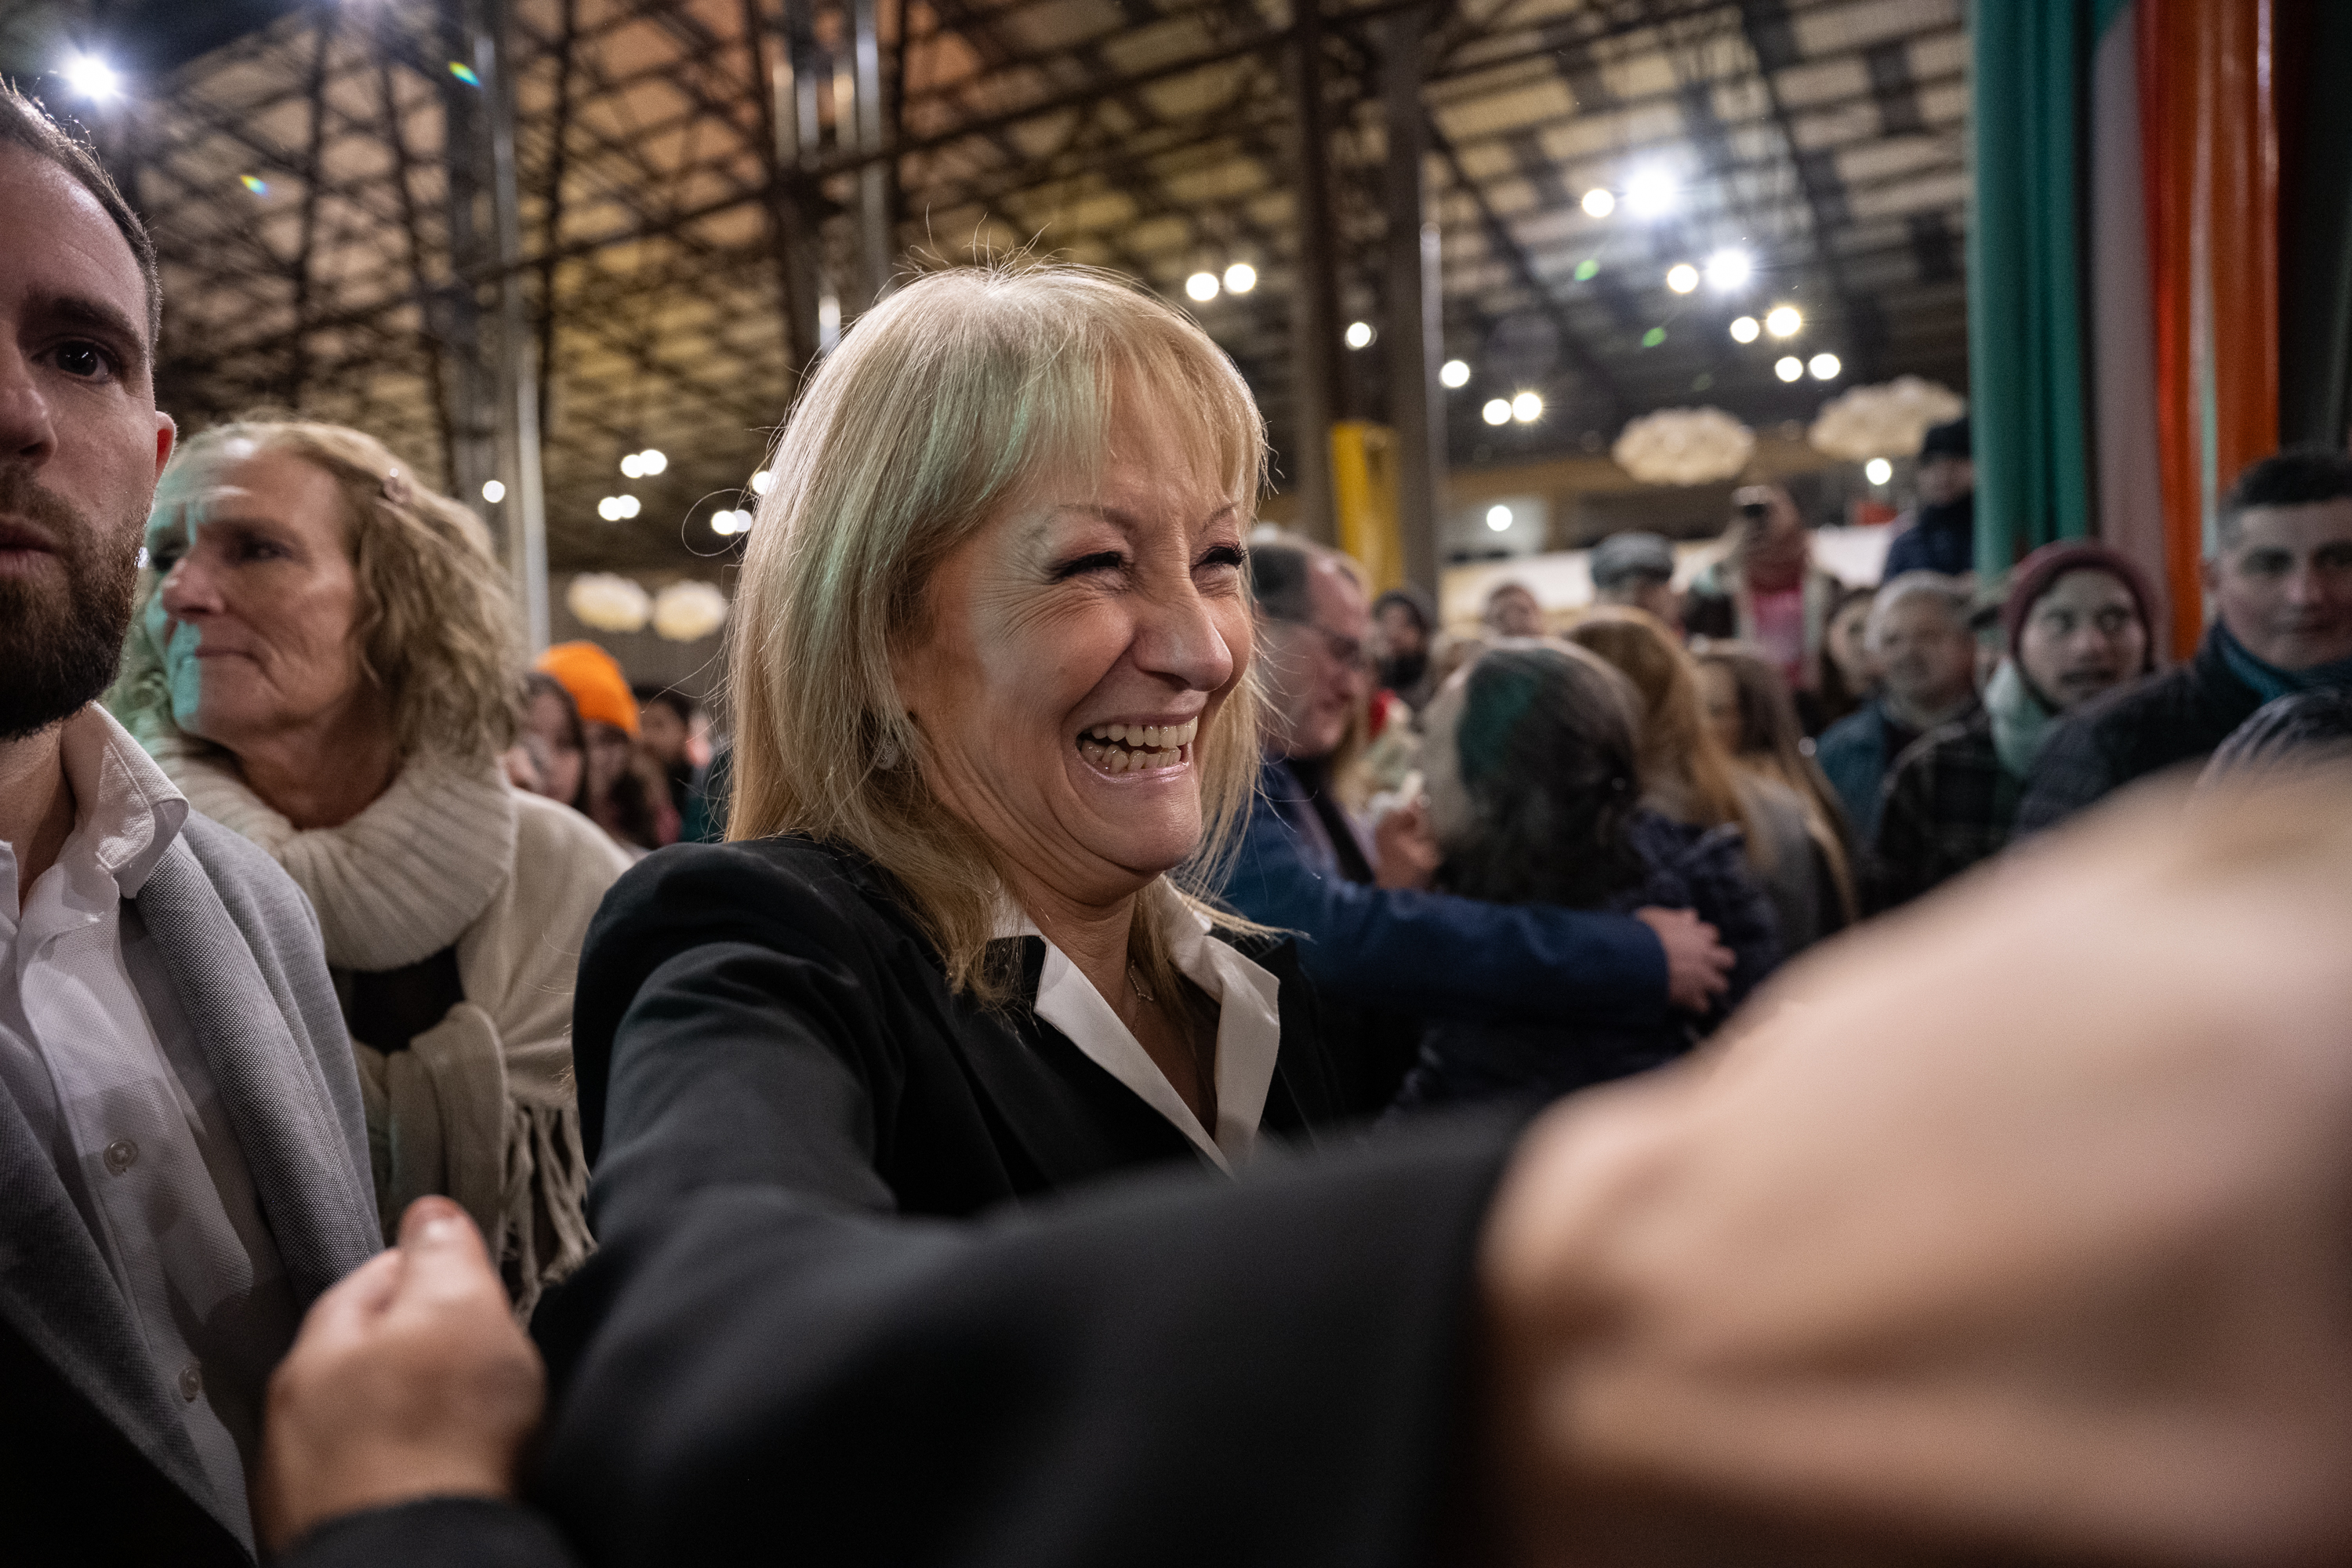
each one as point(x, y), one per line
point(1744, 329)
point(1527, 408)
point(1454, 372)
point(1682, 277)
point(1239, 278)
point(652, 461)
point(1650, 193)
point(1783, 320)
point(632, 466)
point(493, 491)
point(760, 481)
point(1201, 285)
point(1825, 367)
point(1600, 202)
point(1499, 518)
point(1728, 269)
point(1878, 470)
point(729, 523)
point(1360, 334)
point(92, 78)
point(1789, 367)
point(1497, 411)
point(613, 508)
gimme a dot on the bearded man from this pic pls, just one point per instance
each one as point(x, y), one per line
point(183, 1161)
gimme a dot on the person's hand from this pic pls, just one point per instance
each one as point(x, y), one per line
point(1698, 967)
point(1407, 848)
point(2010, 1228)
point(410, 1379)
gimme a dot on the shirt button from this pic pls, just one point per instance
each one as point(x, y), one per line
point(121, 1155)
point(192, 1382)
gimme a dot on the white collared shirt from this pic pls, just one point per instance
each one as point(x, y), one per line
point(1249, 1025)
point(98, 1058)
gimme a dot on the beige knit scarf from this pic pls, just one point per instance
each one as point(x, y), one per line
point(488, 1121)
point(395, 884)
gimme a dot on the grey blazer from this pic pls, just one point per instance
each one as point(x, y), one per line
point(241, 948)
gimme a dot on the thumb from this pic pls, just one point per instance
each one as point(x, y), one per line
point(444, 1252)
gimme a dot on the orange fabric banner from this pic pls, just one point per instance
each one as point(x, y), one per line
point(2208, 139)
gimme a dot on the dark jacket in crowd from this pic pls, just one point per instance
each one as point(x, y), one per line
point(1940, 539)
point(1433, 955)
point(790, 1345)
point(1855, 753)
point(2166, 720)
point(1684, 868)
point(1949, 804)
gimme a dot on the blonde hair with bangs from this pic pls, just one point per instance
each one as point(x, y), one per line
point(951, 399)
point(437, 627)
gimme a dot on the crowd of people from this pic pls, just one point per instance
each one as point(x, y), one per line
point(1164, 1055)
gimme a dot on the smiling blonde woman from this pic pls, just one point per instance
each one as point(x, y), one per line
point(995, 727)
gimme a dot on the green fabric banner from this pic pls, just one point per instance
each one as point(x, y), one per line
point(2027, 360)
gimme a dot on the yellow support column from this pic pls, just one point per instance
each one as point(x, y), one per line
point(1364, 497)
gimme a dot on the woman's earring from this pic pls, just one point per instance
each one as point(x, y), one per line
point(887, 752)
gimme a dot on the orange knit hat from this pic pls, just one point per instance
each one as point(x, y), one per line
point(595, 679)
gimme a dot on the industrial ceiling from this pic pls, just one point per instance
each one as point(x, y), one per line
point(315, 185)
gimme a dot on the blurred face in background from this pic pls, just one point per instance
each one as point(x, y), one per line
point(610, 753)
point(663, 732)
point(1719, 695)
point(1400, 636)
point(2084, 637)
point(257, 606)
point(1513, 612)
point(1317, 674)
point(1944, 479)
point(1656, 595)
point(561, 762)
point(1929, 654)
point(2285, 588)
point(1772, 542)
point(1849, 648)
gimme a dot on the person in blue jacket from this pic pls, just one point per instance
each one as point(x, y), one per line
point(1388, 959)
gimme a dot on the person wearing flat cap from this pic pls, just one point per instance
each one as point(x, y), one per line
point(2078, 624)
point(1942, 533)
point(1637, 570)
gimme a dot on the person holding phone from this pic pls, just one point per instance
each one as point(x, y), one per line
point(1767, 589)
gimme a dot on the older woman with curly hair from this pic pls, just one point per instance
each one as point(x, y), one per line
point(327, 661)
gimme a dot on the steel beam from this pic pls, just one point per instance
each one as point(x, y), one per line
point(1315, 294)
point(1414, 334)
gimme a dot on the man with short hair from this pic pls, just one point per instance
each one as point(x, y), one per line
point(183, 1161)
point(1918, 630)
point(2281, 581)
point(1637, 570)
point(2078, 626)
point(1384, 953)
point(1941, 534)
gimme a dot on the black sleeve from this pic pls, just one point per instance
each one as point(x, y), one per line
point(1899, 864)
point(437, 1532)
point(2072, 771)
point(735, 1008)
point(1179, 1371)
